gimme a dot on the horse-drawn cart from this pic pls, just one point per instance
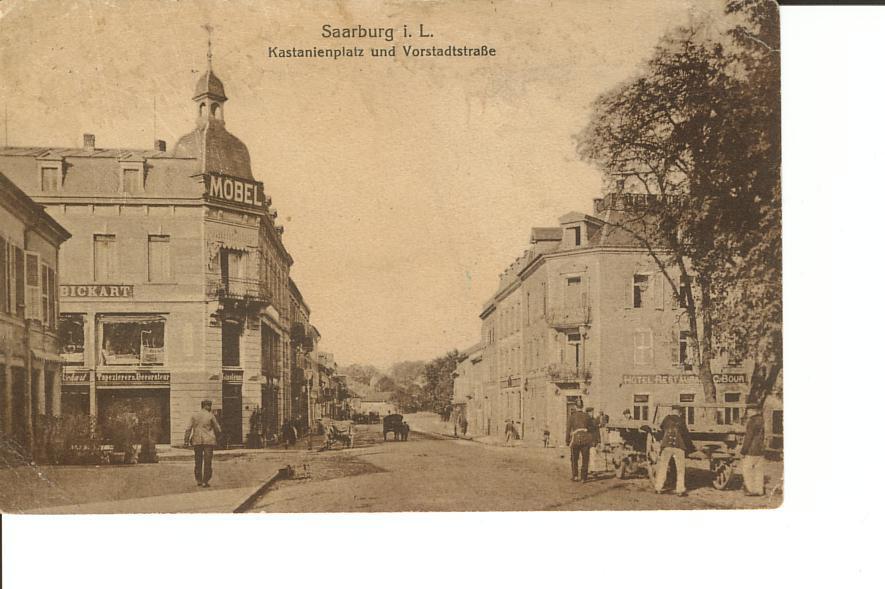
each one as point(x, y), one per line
point(394, 423)
point(716, 431)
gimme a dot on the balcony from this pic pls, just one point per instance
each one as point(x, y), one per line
point(569, 317)
point(239, 289)
point(568, 373)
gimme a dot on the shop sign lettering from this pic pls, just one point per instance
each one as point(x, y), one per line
point(76, 377)
point(682, 379)
point(131, 378)
point(104, 291)
point(234, 190)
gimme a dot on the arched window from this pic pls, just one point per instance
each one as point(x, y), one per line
point(215, 110)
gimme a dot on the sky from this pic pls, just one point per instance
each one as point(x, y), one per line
point(405, 184)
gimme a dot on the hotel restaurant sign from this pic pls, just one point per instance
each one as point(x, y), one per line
point(236, 191)
point(682, 379)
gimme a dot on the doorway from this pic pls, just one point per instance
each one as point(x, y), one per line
point(232, 413)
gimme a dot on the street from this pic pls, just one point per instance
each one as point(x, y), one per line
point(429, 472)
point(432, 473)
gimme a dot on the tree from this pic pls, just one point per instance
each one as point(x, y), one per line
point(690, 148)
point(440, 382)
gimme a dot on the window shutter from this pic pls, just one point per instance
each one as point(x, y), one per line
point(674, 346)
point(33, 294)
point(659, 291)
point(4, 278)
point(628, 293)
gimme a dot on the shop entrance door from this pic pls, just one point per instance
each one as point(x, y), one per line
point(232, 413)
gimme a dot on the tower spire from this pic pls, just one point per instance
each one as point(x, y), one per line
point(208, 29)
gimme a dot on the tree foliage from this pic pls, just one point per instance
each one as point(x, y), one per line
point(690, 148)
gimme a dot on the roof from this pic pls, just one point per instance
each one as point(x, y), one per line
point(23, 204)
point(546, 234)
point(210, 85)
point(218, 149)
point(573, 217)
point(60, 152)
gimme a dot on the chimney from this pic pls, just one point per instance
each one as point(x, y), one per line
point(89, 141)
point(159, 145)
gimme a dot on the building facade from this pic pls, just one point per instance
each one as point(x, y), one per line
point(175, 285)
point(585, 318)
point(30, 365)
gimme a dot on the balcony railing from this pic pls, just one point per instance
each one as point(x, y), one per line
point(566, 373)
point(569, 317)
point(239, 289)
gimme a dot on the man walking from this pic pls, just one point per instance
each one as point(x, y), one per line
point(201, 433)
point(675, 444)
point(753, 450)
point(579, 439)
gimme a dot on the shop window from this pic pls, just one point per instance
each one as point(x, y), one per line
point(642, 347)
point(640, 407)
point(159, 259)
point(640, 286)
point(71, 338)
point(105, 257)
point(132, 341)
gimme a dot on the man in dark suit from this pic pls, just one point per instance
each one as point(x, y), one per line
point(675, 444)
point(753, 452)
point(201, 433)
point(580, 438)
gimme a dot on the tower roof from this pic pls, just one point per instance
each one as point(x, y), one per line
point(217, 149)
point(209, 85)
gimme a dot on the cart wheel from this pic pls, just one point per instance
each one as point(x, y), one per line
point(651, 457)
point(722, 475)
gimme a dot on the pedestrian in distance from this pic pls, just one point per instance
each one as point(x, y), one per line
point(579, 440)
point(753, 454)
point(675, 444)
point(508, 432)
point(463, 424)
point(290, 435)
point(201, 433)
point(546, 436)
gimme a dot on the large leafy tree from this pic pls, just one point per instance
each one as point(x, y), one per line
point(690, 147)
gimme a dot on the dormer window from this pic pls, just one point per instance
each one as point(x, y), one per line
point(132, 178)
point(575, 233)
point(50, 177)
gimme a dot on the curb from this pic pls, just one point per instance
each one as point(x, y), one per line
point(285, 473)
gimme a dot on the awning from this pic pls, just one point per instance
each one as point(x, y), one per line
point(47, 356)
point(130, 318)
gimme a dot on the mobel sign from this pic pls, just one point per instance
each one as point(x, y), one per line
point(234, 190)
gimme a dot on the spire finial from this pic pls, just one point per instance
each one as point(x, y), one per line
point(208, 29)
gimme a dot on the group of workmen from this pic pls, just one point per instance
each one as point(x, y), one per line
point(584, 436)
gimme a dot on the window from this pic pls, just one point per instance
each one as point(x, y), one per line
point(732, 414)
point(576, 235)
point(159, 263)
point(684, 286)
point(45, 294)
point(33, 291)
point(687, 412)
point(53, 299)
point(640, 407)
point(71, 338)
point(640, 286)
point(105, 257)
point(49, 179)
point(642, 347)
point(132, 341)
point(573, 292)
point(685, 349)
point(131, 180)
point(230, 343)
point(574, 341)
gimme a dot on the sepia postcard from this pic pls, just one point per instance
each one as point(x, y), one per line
point(390, 256)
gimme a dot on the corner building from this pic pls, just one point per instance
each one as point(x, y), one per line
point(175, 285)
point(585, 318)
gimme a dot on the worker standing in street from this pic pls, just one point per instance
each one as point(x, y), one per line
point(753, 454)
point(675, 444)
point(580, 439)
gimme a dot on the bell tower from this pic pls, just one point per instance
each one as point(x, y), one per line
point(209, 93)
